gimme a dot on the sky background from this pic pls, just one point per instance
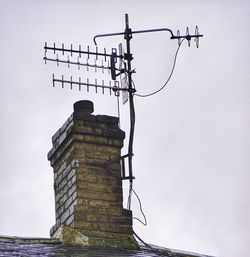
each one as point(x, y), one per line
point(192, 139)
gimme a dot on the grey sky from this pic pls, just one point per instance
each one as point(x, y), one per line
point(192, 139)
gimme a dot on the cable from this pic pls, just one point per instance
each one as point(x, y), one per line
point(171, 73)
point(144, 216)
point(153, 250)
point(147, 245)
point(118, 111)
point(130, 145)
point(129, 197)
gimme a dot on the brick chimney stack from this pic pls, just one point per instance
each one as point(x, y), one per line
point(88, 188)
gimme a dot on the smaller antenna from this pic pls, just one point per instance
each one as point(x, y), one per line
point(78, 63)
point(68, 62)
point(196, 39)
point(87, 64)
point(45, 54)
point(96, 85)
point(102, 67)
point(57, 60)
point(105, 56)
point(45, 47)
point(95, 65)
point(53, 79)
point(96, 53)
point(87, 84)
point(188, 36)
point(178, 35)
point(79, 51)
point(71, 86)
point(102, 87)
point(80, 84)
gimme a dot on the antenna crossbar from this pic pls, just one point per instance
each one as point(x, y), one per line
point(54, 49)
point(114, 88)
point(78, 63)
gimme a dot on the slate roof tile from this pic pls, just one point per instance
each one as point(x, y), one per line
point(37, 247)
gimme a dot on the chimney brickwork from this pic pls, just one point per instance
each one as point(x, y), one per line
point(87, 182)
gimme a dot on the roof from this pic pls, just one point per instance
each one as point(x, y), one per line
point(47, 247)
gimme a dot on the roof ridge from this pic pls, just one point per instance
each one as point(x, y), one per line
point(173, 252)
point(39, 240)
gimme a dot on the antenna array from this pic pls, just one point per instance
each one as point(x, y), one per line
point(80, 58)
point(108, 62)
point(111, 88)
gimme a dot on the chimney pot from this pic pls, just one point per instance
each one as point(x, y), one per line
point(84, 106)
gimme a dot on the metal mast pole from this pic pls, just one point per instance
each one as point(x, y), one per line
point(131, 90)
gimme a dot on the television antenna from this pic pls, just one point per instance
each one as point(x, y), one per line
point(109, 62)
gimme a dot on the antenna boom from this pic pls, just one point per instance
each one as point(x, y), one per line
point(46, 48)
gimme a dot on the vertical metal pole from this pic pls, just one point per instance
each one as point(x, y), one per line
point(128, 36)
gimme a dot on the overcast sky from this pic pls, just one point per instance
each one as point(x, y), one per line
point(192, 139)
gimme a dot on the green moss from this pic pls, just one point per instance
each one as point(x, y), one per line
point(70, 236)
point(74, 237)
